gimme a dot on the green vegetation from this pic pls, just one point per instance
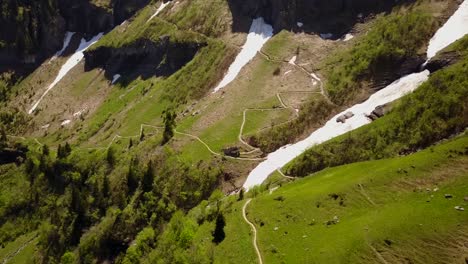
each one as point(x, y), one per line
point(93, 200)
point(207, 17)
point(313, 114)
point(397, 206)
point(436, 110)
point(153, 195)
point(392, 39)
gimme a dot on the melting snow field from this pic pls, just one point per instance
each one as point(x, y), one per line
point(348, 37)
point(69, 64)
point(161, 8)
point(66, 42)
point(260, 32)
point(115, 78)
point(332, 129)
point(455, 28)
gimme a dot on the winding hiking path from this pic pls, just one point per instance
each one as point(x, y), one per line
point(17, 251)
point(254, 241)
point(252, 150)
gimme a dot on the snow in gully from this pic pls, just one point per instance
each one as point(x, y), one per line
point(259, 33)
point(455, 28)
point(67, 66)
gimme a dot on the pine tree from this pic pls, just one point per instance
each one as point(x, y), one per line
point(105, 186)
point(148, 178)
point(169, 124)
point(45, 150)
point(132, 178)
point(67, 149)
point(110, 156)
point(59, 152)
point(241, 195)
point(3, 137)
point(218, 233)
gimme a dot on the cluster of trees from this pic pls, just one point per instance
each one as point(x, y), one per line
point(436, 110)
point(91, 205)
point(24, 22)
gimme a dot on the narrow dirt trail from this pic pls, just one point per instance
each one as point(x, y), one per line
point(284, 175)
point(254, 241)
point(251, 148)
point(14, 254)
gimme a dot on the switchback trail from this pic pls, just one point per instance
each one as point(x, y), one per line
point(254, 241)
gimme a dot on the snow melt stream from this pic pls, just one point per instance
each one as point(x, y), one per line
point(259, 33)
point(455, 28)
point(332, 129)
point(69, 64)
point(66, 42)
point(161, 8)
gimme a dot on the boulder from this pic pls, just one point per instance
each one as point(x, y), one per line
point(143, 58)
point(232, 152)
point(335, 17)
point(348, 115)
point(442, 60)
point(341, 119)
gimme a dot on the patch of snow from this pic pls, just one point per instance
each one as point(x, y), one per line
point(79, 113)
point(65, 122)
point(66, 42)
point(287, 72)
point(314, 82)
point(45, 126)
point(115, 78)
point(161, 8)
point(260, 32)
point(348, 37)
point(292, 61)
point(315, 77)
point(455, 28)
point(333, 129)
point(69, 64)
point(300, 24)
point(326, 35)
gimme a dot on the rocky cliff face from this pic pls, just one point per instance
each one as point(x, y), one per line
point(32, 31)
point(442, 60)
point(143, 58)
point(332, 16)
point(28, 33)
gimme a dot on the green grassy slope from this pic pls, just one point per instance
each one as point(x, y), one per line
point(436, 110)
point(395, 207)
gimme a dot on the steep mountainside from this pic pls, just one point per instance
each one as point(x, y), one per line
point(227, 131)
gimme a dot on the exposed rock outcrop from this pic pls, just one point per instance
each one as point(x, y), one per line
point(389, 71)
point(143, 58)
point(32, 31)
point(333, 16)
point(11, 155)
point(379, 111)
point(232, 152)
point(442, 60)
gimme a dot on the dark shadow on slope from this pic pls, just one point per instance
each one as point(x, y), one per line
point(336, 17)
point(143, 58)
